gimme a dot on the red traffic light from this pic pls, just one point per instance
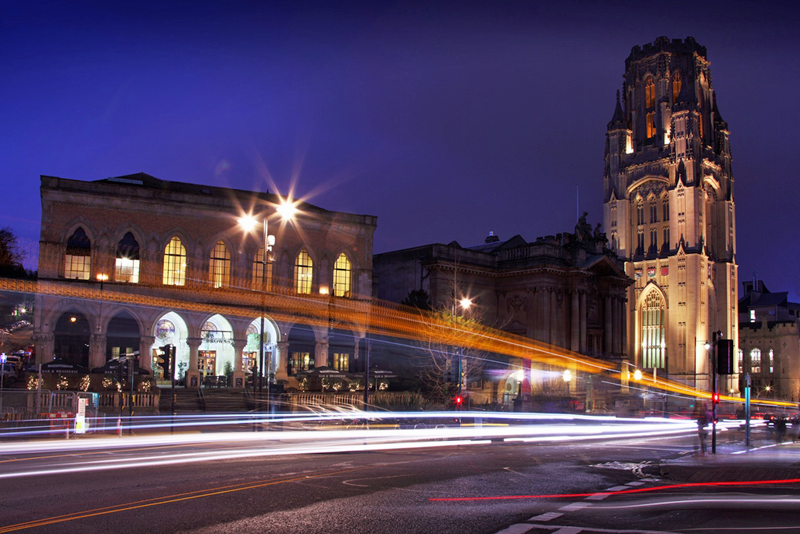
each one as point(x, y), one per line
point(459, 400)
point(715, 398)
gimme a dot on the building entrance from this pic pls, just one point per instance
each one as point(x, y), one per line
point(208, 363)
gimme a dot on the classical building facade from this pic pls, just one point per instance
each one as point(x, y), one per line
point(669, 210)
point(148, 240)
point(769, 343)
point(566, 290)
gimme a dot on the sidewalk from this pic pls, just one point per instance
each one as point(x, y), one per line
point(763, 460)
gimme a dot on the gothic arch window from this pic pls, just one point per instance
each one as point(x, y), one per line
point(219, 266)
point(755, 361)
point(78, 264)
point(653, 241)
point(741, 361)
point(677, 82)
point(640, 213)
point(174, 263)
point(126, 268)
point(653, 211)
point(666, 244)
point(652, 331)
point(650, 106)
point(258, 271)
point(303, 272)
point(666, 209)
point(341, 276)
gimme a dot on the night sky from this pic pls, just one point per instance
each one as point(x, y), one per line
point(445, 120)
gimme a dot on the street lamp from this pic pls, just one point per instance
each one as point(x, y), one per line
point(465, 304)
point(286, 210)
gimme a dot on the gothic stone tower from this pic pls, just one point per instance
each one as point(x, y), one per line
point(669, 210)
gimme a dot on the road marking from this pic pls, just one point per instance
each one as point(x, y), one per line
point(617, 488)
point(568, 530)
point(635, 483)
point(545, 517)
point(597, 496)
point(575, 506)
point(519, 528)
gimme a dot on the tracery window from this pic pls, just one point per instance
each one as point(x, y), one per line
point(653, 212)
point(666, 209)
point(341, 276)
point(303, 271)
point(126, 268)
point(755, 361)
point(676, 86)
point(219, 266)
point(640, 213)
point(640, 243)
point(652, 331)
point(174, 263)
point(78, 261)
point(650, 102)
point(654, 240)
point(666, 238)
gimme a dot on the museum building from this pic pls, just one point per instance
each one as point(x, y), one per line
point(121, 249)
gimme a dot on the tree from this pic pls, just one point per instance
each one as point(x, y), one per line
point(418, 298)
point(11, 256)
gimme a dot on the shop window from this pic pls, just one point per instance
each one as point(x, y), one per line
point(341, 361)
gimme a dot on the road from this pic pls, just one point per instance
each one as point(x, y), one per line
point(227, 486)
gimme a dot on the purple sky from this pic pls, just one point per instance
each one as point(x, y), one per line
point(446, 120)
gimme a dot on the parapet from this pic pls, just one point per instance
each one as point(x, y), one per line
point(664, 44)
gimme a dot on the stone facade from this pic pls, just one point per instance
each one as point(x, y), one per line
point(769, 343)
point(669, 209)
point(566, 290)
point(94, 235)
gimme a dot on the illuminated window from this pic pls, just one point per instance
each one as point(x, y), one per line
point(78, 264)
point(127, 263)
point(300, 361)
point(258, 271)
point(741, 361)
point(771, 361)
point(752, 316)
point(653, 340)
point(174, 263)
point(341, 276)
point(219, 266)
point(755, 361)
point(651, 126)
point(341, 361)
point(649, 93)
point(676, 86)
point(303, 271)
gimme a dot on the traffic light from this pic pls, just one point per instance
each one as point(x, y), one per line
point(459, 400)
point(164, 359)
point(715, 398)
point(725, 357)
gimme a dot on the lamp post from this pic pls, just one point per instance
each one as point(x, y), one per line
point(465, 304)
point(287, 211)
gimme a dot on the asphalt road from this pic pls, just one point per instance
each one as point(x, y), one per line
point(376, 492)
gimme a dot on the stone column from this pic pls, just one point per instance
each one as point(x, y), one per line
point(193, 373)
point(609, 325)
point(238, 372)
point(281, 357)
point(574, 342)
point(321, 353)
point(45, 344)
point(97, 350)
point(146, 352)
point(582, 318)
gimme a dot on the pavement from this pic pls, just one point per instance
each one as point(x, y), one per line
point(764, 459)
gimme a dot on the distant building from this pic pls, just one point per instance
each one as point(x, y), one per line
point(149, 239)
point(769, 342)
point(669, 209)
point(567, 290)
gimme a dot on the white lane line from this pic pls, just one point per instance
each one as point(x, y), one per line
point(618, 488)
point(575, 506)
point(635, 483)
point(568, 530)
point(519, 528)
point(597, 496)
point(545, 517)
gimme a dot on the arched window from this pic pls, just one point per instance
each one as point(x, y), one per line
point(676, 86)
point(219, 266)
point(127, 265)
point(666, 244)
point(741, 361)
point(666, 209)
point(640, 212)
point(341, 276)
point(303, 271)
point(653, 211)
point(650, 104)
point(258, 272)
point(174, 263)
point(78, 264)
point(653, 339)
point(771, 361)
point(755, 361)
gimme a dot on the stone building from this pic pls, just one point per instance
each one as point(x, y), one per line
point(669, 210)
point(566, 290)
point(769, 343)
point(143, 239)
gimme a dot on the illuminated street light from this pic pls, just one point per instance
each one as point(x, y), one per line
point(567, 376)
point(637, 375)
point(465, 303)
